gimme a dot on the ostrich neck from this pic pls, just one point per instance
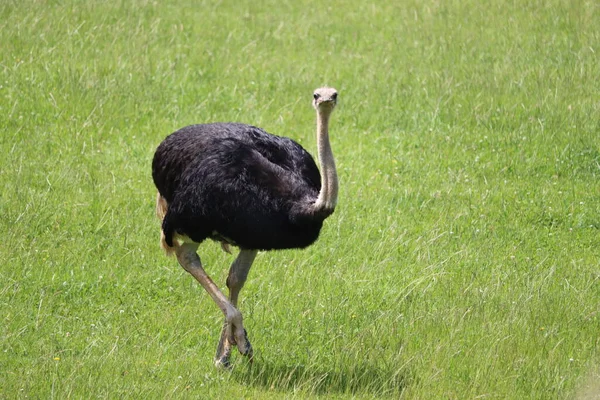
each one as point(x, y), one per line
point(329, 182)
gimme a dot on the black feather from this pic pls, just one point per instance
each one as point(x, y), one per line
point(240, 183)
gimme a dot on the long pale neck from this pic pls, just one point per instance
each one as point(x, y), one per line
point(327, 199)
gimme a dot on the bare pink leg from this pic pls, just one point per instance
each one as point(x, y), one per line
point(235, 281)
point(234, 328)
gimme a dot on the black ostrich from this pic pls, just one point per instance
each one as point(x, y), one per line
point(241, 186)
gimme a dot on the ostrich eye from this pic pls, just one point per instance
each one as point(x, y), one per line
point(316, 96)
point(334, 96)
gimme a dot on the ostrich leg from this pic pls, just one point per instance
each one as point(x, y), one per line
point(231, 335)
point(190, 261)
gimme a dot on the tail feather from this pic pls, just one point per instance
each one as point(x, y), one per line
point(166, 234)
point(161, 206)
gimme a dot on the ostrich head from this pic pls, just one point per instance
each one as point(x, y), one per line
point(325, 99)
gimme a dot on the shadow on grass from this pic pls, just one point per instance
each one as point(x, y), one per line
point(318, 379)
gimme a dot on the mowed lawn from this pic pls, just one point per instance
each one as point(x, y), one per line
point(462, 262)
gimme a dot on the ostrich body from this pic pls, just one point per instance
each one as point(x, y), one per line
point(241, 186)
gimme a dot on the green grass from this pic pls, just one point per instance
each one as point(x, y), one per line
point(463, 260)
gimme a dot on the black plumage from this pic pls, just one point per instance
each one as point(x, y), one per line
point(238, 184)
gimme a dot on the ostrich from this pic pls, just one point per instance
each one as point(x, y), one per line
point(241, 186)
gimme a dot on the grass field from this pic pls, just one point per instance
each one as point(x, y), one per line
point(463, 260)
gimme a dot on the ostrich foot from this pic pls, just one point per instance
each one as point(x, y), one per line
point(224, 349)
point(244, 346)
point(230, 336)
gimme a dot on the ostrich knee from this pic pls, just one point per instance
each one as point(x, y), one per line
point(190, 261)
